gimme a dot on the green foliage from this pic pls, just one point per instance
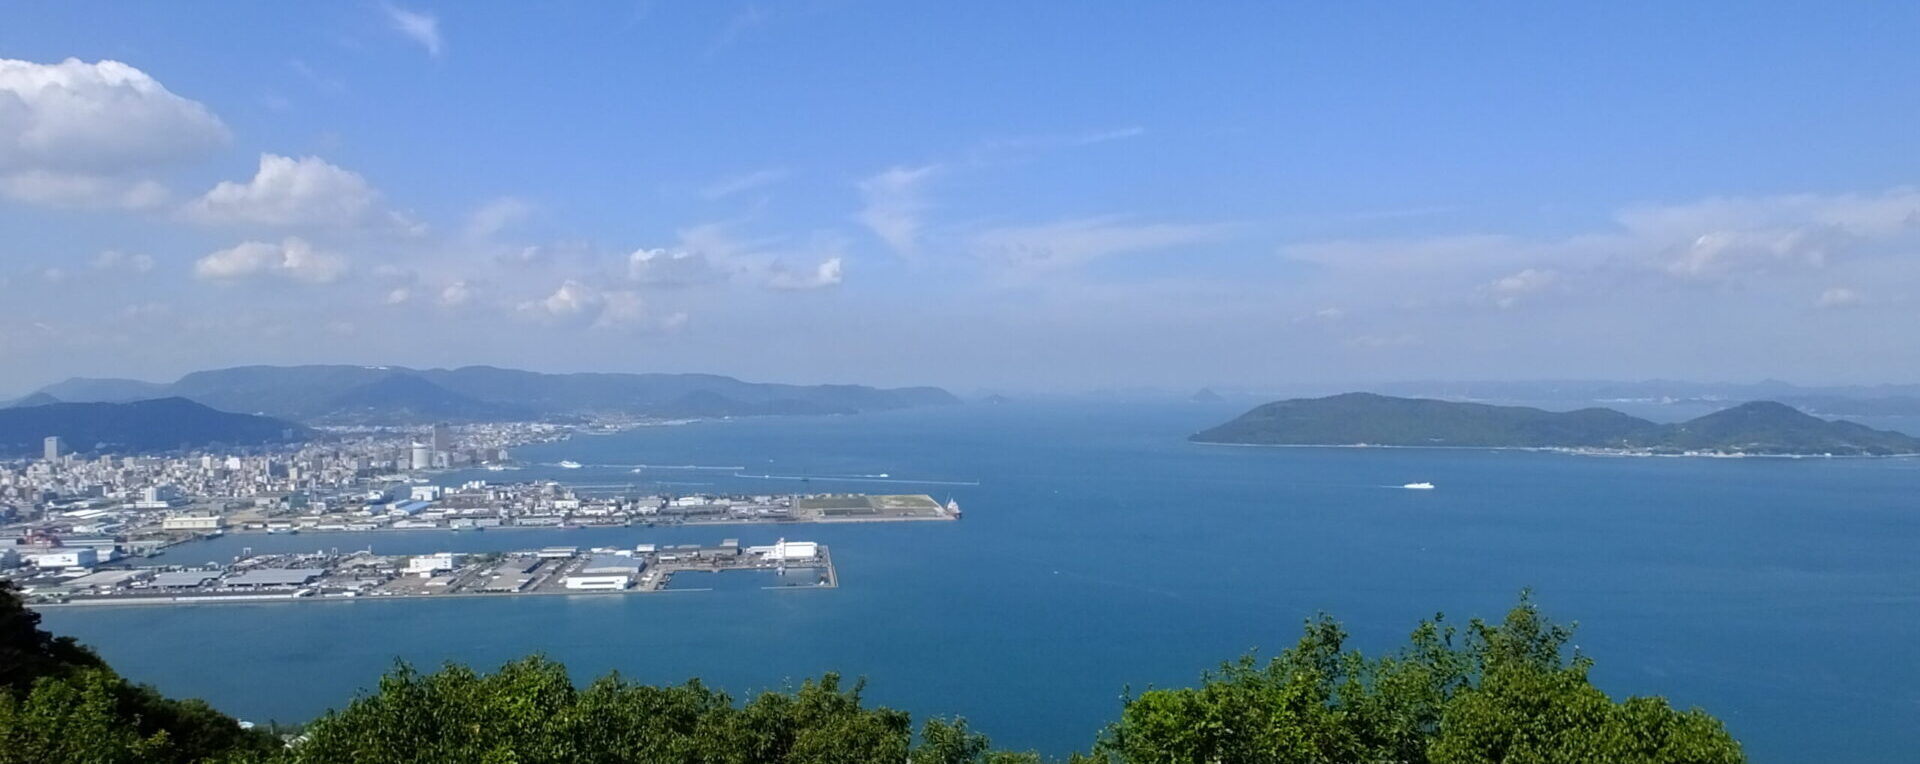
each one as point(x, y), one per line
point(1505, 694)
point(529, 712)
point(28, 653)
point(59, 702)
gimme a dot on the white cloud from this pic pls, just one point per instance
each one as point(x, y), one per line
point(295, 193)
point(827, 273)
point(85, 135)
point(399, 296)
point(293, 260)
point(1838, 297)
point(1783, 241)
point(578, 304)
point(678, 267)
point(1507, 290)
point(456, 294)
point(894, 205)
point(1068, 244)
point(103, 118)
point(423, 28)
point(572, 302)
point(742, 183)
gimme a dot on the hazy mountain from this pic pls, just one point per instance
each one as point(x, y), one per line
point(1206, 395)
point(481, 393)
point(408, 398)
point(1761, 427)
point(162, 424)
point(104, 390)
point(36, 399)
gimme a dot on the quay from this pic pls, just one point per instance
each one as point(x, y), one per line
point(361, 575)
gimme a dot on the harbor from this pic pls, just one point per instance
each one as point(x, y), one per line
point(347, 576)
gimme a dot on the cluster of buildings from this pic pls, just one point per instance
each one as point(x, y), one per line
point(55, 507)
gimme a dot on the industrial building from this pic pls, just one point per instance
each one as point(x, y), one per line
point(193, 523)
point(605, 582)
point(262, 577)
point(429, 564)
point(81, 557)
point(184, 579)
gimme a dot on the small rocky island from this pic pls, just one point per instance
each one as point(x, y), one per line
point(1757, 428)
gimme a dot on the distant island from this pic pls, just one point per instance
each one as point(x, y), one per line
point(397, 395)
point(1759, 428)
point(163, 424)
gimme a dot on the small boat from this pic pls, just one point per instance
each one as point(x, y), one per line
point(569, 465)
point(1418, 486)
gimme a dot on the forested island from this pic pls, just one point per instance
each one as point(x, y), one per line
point(1485, 692)
point(1758, 428)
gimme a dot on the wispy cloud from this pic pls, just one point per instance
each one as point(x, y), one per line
point(1067, 244)
point(742, 183)
point(894, 205)
point(423, 28)
point(1002, 149)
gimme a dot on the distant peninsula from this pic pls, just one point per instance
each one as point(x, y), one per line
point(1757, 428)
point(388, 395)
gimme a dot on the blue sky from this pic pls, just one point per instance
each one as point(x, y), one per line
point(1015, 195)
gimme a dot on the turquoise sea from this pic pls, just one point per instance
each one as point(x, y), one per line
point(1100, 552)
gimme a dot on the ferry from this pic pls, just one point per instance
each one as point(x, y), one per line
point(569, 465)
point(1418, 486)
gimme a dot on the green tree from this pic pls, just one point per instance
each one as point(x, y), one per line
point(1505, 694)
point(27, 652)
point(58, 693)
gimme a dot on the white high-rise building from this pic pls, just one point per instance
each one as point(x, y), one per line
point(54, 448)
point(422, 456)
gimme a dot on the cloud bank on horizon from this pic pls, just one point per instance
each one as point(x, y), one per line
point(853, 193)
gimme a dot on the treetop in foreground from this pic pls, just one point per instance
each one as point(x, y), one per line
point(1492, 692)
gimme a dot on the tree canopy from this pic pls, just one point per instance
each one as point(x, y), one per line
point(1494, 692)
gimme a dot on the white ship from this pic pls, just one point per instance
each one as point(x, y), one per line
point(569, 465)
point(1418, 486)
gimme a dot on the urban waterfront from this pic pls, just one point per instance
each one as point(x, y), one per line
point(1100, 551)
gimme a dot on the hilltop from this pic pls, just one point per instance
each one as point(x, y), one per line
point(1759, 427)
point(399, 395)
point(162, 424)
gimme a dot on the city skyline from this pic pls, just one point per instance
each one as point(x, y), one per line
point(885, 195)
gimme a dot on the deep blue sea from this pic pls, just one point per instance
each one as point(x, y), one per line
point(1100, 551)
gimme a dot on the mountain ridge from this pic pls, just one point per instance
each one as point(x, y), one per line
point(397, 394)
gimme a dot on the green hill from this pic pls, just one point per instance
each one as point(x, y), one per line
point(163, 424)
point(1761, 427)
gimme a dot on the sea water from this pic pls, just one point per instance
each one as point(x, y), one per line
point(1101, 552)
